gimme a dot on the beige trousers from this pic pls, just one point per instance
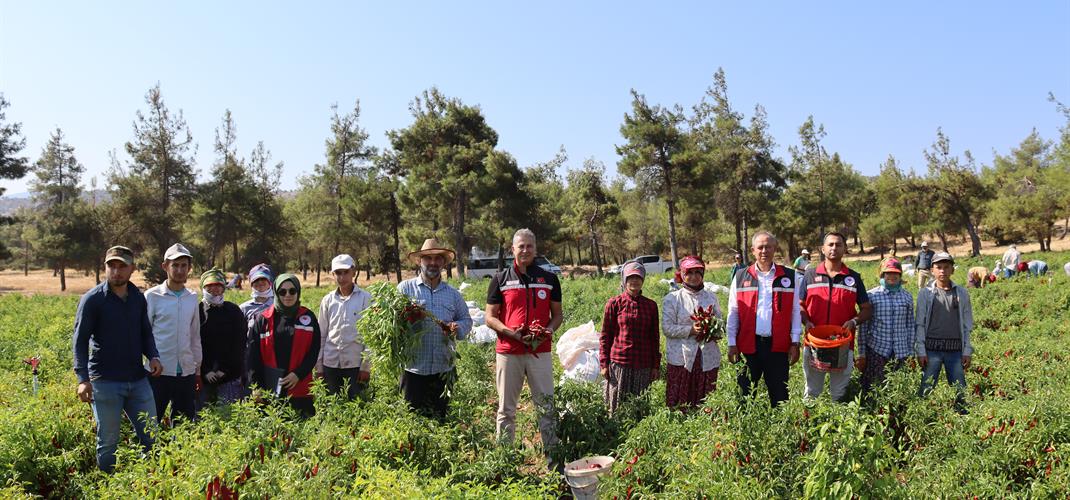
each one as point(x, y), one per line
point(510, 372)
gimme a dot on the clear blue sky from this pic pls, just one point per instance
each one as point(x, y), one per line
point(881, 78)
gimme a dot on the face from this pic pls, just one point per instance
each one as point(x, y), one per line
point(694, 277)
point(892, 279)
point(431, 266)
point(177, 270)
point(261, 285)
point(634, 284)
point(764, 249)
point(344, 277)
point(288, 294)
point(943, 270)
point(119, 272)
point(739, 259)
point(524, 250)
point(834, 247)
point(215, 289)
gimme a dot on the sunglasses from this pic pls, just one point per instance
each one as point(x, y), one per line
point(287, 291)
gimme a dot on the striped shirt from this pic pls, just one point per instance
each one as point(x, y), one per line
point(436, 351)
point(890, 331)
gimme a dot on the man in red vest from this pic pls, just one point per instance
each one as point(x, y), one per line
point(763, 320)
point(832, 294)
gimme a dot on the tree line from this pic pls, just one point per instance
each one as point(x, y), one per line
point(695, 180)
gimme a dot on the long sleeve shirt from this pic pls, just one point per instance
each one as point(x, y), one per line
point(630, 333)
point(111, 335)
point(763, 325)
point(436, 351)
point(341, 345)
point(176, 326)
point(890, 332)
point(680, 347)
point(223, 336)
point(923, 314)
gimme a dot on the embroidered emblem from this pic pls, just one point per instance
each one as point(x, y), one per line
point(785, 282)
point(540, 280)
point(746, 283)
point(542, 294)
point(305, 320)
point(849, 281)
point(819, 279)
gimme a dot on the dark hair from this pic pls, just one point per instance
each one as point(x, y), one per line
point(843, 238)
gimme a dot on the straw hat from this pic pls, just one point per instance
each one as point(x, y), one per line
point(432, 247)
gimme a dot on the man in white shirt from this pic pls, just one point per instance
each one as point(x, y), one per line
point(173, 311)
point(764, 323)
point(343, 359)
point(1011, 258)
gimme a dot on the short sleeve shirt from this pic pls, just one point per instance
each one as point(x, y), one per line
point(525, 298)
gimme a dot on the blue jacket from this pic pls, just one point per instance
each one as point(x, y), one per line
point(111, 335)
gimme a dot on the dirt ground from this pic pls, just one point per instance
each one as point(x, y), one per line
point(43, 282)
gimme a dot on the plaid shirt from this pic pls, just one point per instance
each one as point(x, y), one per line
point(890, 331)
point(435, 354)
point(630, 333)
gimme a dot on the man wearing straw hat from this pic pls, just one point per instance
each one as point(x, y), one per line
point(831, 294)
point(426, 380)
point(524, 308)
point(343, 360)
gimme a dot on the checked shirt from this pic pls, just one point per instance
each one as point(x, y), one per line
point(890, 332)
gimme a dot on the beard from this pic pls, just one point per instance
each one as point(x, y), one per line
point(430, 272)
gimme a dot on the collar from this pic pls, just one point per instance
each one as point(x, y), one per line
point(629, 296)
point(753, 270)
point(844, 270)
point(420, 281)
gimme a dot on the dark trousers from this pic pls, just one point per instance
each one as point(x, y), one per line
point(305, 407)
point(772, 366)
point(425, 394)
point(336, 378)
point(178, 391)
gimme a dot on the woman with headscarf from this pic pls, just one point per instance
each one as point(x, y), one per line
point(223, 333)
point(629, 353)
point(692, 367)
point(284, 345)
point(262, 298)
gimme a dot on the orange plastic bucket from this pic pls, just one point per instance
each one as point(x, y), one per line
point(830, 348)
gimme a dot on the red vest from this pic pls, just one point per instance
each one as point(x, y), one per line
point(831, 300)
point(301, 342)
point(525, 298)
point(746, 282)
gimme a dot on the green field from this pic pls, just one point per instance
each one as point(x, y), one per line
point(1013, 441)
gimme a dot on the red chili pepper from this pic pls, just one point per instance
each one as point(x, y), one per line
point(261, 447)
point(335, 452)
point(633, 460)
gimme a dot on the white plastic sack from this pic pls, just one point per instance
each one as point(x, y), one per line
point(574, 342)
point(715, 288)
point(585, 369)
point(482, 334)
point(478, 317)
point(463, 286)
point(908, 269)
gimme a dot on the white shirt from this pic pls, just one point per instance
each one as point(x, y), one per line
point(680, 347)
point(763, 316)
point(341, 345)
point(176, 327)
point(1011, 258)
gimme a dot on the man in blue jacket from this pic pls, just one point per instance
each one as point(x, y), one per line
point(111, 334)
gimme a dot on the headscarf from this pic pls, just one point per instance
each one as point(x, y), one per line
point(261, 271)
point(290, 312)
point(688, 263)
point(213, 276)
point(631, 269)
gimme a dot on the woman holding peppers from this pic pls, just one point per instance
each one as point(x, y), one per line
point(692, 324)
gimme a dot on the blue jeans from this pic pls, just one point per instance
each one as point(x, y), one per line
point(951, 361)
point(110, 400)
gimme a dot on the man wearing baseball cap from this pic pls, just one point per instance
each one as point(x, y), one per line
point(887, 337)
point(111, 335)
point(831, 294)
point(343, 359)
point(924, 265)
point(176, 324)
point(944, 321)
point(801, 261)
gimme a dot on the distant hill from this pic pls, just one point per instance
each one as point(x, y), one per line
point(10, 203)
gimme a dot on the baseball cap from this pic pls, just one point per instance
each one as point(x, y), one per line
point(175, 251)
point(942, 256)
point(343, 261)
point(891, 265)
point(805, 252)
point(261, 271)
point(119, 252)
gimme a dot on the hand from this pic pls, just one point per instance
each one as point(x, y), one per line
point(860, 363)
point(85, 392)
point(696, 330)
point(289, 381)
point(155, 367)
point(211, 377)
point(793, 354)
point(364, 376)
point(850, 324)
point(966, 361)
point(197, 383)
point(603, 372)
point(733, 354)
point(655, 373)
point(810, 325)
point(923, 361)
point(453, 329)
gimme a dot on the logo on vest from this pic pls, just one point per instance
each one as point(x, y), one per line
point(746, 283)
point(542, 294)
point(819, 279)
point(849, 281)
point(540, 280)
point(305, 320)
point(785, 282)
